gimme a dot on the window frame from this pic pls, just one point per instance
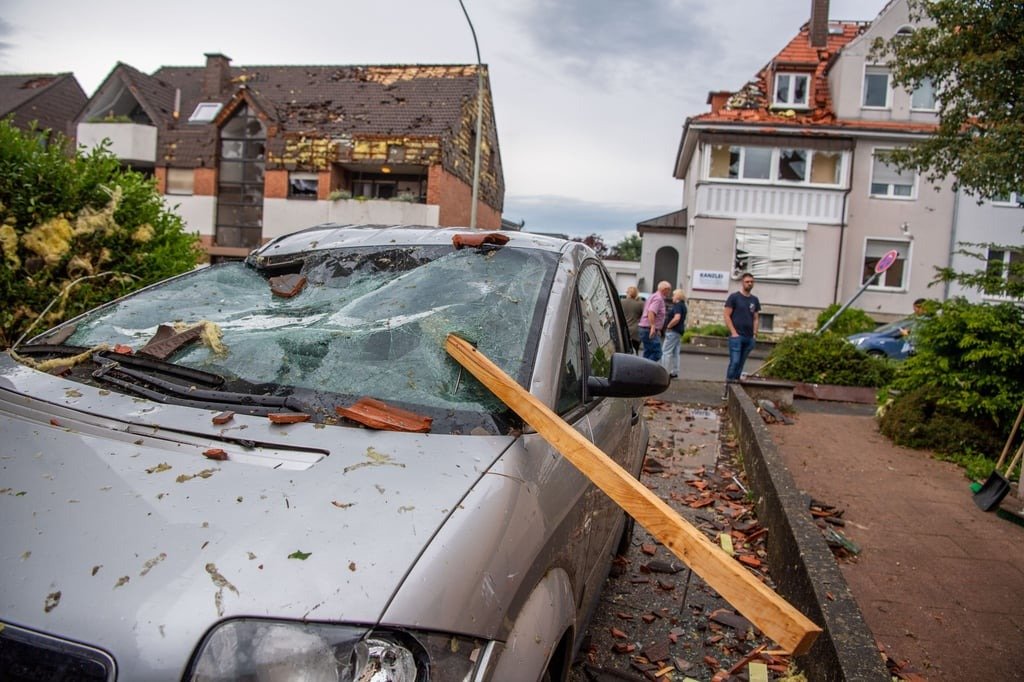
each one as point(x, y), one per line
point(905, 246)
point(791, 88)
point(1006, 260)
point(934, 97)
point(306, 176)
point(762, 271)
point(170, 191)
point(205, 112)
point(775, 166)
point(876, 70)
point(1012, 200)
point(890, 187)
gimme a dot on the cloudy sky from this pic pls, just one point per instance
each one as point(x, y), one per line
point(590, 95)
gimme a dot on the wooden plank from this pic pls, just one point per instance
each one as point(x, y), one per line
point(772, 614)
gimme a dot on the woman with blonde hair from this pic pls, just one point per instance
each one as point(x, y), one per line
point(674, 333)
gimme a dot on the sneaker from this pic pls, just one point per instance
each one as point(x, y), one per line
point(673, 376)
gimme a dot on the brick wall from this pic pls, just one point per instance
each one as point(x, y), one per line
point(205, 182)
point(454, 197)
point(787, 319)
point(275, 184)
point(160, 175)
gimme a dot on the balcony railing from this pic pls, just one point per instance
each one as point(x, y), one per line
point(720, 200)
point(133, 143)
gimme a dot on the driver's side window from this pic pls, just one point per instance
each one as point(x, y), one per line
point(600, 322)
point(570, 385)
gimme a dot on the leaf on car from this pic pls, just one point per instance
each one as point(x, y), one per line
point(300, 555)
point(216, 454)
point(375, 459)
point(96, 568)
point(342, 505)
point(25, 555)
point(123, 580)
point(162, 466)
point(72, 393)
point(221, 582)
point(205, 473)
point(51, 602)
point(352, 566)
point(402, 510)
point(148, 566)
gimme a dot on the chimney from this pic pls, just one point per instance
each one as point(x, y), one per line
point(718, 99)
point(819, 23)
point(217, 76)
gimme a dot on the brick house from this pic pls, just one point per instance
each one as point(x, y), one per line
point(50, 100)
point(783, 179)
point(248, 153)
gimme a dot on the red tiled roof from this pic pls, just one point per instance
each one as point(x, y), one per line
point(752, 103)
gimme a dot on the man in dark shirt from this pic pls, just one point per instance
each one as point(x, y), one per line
point(742, 310)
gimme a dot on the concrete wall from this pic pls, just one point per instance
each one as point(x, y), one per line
point(198, 212)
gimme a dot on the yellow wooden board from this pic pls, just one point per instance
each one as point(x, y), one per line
point(772, 614)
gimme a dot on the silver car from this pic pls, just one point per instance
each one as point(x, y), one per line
point(271, 469)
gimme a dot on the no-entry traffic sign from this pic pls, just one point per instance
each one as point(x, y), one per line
point(886, 261)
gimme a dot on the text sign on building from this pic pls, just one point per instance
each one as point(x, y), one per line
point(711, 280)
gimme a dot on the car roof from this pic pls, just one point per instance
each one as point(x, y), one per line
point(333, 235)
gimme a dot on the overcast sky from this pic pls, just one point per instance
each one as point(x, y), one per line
point(590, 95)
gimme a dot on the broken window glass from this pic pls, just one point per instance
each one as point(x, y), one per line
point(369, 322)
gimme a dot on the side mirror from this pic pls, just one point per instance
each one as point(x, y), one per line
point(630, 377)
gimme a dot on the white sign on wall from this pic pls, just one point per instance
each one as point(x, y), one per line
point(711, 280)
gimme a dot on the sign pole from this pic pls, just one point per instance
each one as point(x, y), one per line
point(884, 263)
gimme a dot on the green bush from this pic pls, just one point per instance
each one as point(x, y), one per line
point(705, 330)
point(65, 217)
point(826, 359)
point(970, 357)
point(918, 419)
point(852, 321)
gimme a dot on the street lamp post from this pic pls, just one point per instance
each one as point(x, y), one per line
point(479, 119)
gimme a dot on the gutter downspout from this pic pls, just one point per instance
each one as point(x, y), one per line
point(842, 229)
point(952, 240)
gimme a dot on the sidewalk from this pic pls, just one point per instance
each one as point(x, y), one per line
point(939, 582)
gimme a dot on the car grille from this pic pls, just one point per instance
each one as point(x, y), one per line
point(27, 656)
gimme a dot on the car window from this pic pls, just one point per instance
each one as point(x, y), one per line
point(895, 326)
point(369, 321)
point(600, 329)
point(570, 385)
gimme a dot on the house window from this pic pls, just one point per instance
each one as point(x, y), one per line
point(205, 112)
point(303, 185)
point(180, 181)
point(770, 253)
point(1011, 199)
point(802, 166)
point(1003, 263)
point(876, 87)
point(895, 277)
point(923, 97)
point(791, 89)
point(766, 322)
point(887, 181)
point(792, 165)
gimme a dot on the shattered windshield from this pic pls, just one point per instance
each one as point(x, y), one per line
point(367, 322)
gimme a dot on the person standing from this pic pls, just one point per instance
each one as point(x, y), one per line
point(633, 308)
point(742, 310)
point(674, 328)
point(652, 320)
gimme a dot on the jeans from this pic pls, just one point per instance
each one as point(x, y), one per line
point(739, 349)
point(652, 345)
point(670, 352)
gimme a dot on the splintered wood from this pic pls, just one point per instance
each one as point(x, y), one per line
point(772, 614)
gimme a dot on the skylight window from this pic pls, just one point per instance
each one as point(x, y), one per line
point(205, 112)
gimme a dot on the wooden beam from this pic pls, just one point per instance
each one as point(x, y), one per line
point(772, 614)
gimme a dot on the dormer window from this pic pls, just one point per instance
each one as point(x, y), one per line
point(791, 89)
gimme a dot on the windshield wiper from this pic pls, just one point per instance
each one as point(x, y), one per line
point(164, 391)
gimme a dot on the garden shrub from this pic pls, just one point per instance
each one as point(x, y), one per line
point(705, 330)
point(852, 321)
point(68, 216)
point(826, 359)
point(918, 419)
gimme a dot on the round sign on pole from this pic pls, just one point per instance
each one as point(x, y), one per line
point(886, 261)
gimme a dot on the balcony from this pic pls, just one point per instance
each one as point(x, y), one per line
point(722, 200)
point(132, 143)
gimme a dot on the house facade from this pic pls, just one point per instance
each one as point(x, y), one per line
point(50, 101)
point(248, 153)
point(786, 179)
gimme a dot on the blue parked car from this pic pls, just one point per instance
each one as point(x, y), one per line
point(890, 340)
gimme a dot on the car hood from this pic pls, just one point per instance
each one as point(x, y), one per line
point(119, 532)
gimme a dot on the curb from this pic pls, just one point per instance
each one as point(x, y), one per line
point(804, 569)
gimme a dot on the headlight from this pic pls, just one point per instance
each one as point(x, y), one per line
point(276, 651)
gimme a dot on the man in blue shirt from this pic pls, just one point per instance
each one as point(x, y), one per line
point(741, 317)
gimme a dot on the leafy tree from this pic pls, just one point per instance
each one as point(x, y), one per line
point(629, 248)
point(77, 218)
point(852, 321)
point(972, 52)
point(596, 242)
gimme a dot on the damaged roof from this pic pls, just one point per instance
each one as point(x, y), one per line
point(52, 99)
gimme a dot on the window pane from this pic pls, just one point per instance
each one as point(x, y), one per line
point(757, 163)
point(782, 88)
point(924, 96)
point(874, 249)
point(724, 162)
point(570, 385)
point(793, 165)
point(180, 181)
point(770, 253)
point(600, 330)
point(303, 185)
point(876, 87)
point(800, 90)
point(825, 167)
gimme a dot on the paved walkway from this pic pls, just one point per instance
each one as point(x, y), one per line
point(940, 583)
